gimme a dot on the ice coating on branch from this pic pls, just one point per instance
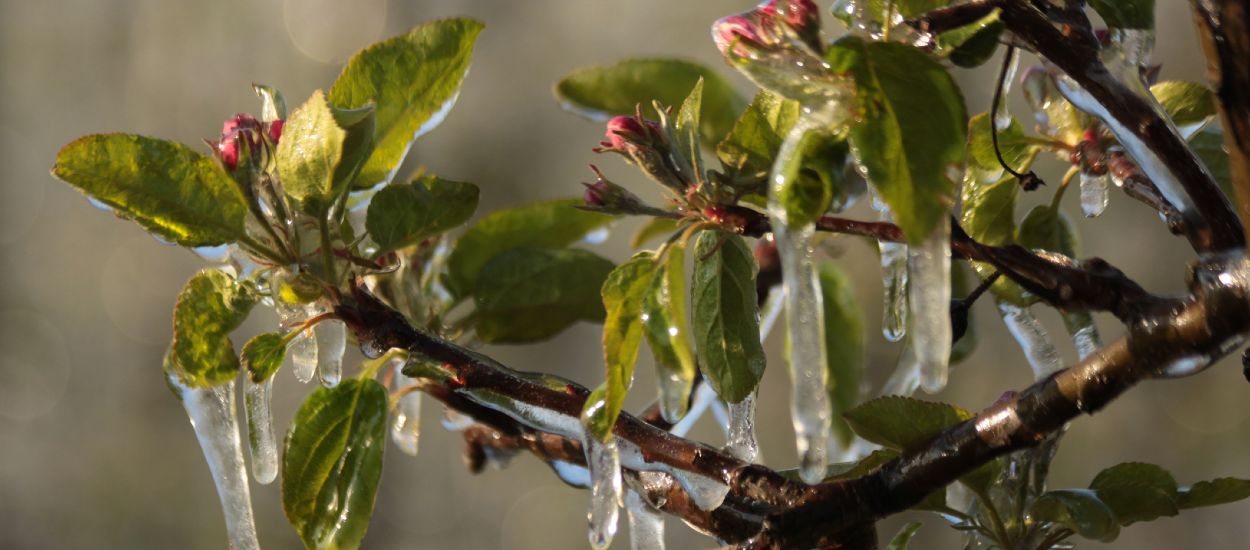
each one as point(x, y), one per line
point(261, 440)
point(1095, 193)
point(742, 443)
point(303, 348)
point(893, 280)
point(406, 424)
point(331, 335)
point(929, 270)
point(605, 489)
point(1033, 339)
point(572, 474)
point(703, 398)
point(215, 420)
point(646, 525)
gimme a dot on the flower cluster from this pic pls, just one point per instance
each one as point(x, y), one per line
point(243, 136)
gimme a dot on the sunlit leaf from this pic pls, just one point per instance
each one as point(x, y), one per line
point(726, 318)
point(209, 308)
point(623, 294)
point(404, 215)
point(530, 294)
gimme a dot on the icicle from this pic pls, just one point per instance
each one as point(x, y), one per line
point(262, 442)
point(1084, 333)
point(1094, 193)
point(742, 443)
point(406, 424)
point(672, 388)
point(213, 416)
point(1032, 337)
point(894, 280)
point(905, 379)
point(1002, 117)
point(303, 348)
point(646, 525)
point(331, 335)
point(929, 268)
point(605, 489)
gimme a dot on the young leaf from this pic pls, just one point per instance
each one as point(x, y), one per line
point(623, 294)
point(332, 461)
point(1126, 14)
point(1079, 510)
point(209, 308)
point(272, 104)
point(844, 344)
point(1046, 228)
point(413, 80)
point(912, 129)
point(309, 154)
point(903, 538)
point(1136, 491)
point(971, 45)
point(263, 355)
point(903, 423)
point(552, 224)
point(530, 294)
point(666, 319)
point(1210, 493)
point(1187, 103)
point(404, 215)
point(172, 191)
point(601, 92)
point(685, 134)
point(726, 318)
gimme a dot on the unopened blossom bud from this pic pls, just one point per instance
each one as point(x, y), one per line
point(607, 196)
point(643, 143)
point(275, 130)
point(744, 35)
point(239, 136)
point(803, 17)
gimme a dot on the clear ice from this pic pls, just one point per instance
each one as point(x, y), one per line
point(929, 270)
point(1033, 339)
point(1095, 193)
point(261, 439)
point(646, 525)
point(742, 443)
point(605, 489)
point(331, 336)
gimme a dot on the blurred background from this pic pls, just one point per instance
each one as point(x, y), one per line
point(96, 453)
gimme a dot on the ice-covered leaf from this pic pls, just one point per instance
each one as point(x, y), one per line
point(272, 104)
point(874, 11)
point(1186, 103)
point(1048, 229)
point(168, 188)
point(413, 80)
point(263, 355)
point(666, 319)
point(404, 215)
point(1126, 14)
point(903, 423)
point(653, 228)
point(909, 139)
point(623, 293)
point(1210, 493)
point(844, 344)
point(601, 92)
point(551, 224)
point(726, 318)
point(332, 461)
point(1079, 510)
point(1136, 491)
point(530, 294)
point(210, 306)
point(1015, 148)
point(973, 44)
point(903, 538)
point(309, 154)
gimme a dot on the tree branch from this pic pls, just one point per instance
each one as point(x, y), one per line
point(1224, 29)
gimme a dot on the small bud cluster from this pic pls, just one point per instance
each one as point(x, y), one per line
point(768, 27)
point(243, 138)
point(607, 196)
point(645, 144)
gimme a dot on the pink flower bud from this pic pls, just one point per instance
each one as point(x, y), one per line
point(235, 132)
point(240, 121)
point(275, 130)
point(228, 150)
point(623, 130)
point(608, 196)
point(801, 15)
point(595, 192)
point(738, 32)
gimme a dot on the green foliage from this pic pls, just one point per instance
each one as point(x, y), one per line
point(623, 294)
point(653, 228)
point(1186, 103)
point(903, 423)
point(726, 322)
point(311, 155)
point(1079, 510)
point(844, 344)
point(903, 538)
point(972, 45)
point(666, 319)
point(412, 80)
point(1126, 14)
point(332, 461)
point(1135, 492)
point(172, 191)
point(272, 104)
point(531, 294)
point(1211, 493)
point(910, 135)
point(263, 355)
point(404, 215)
point(552, 224)
point(600, 92)
point(209, 308)
point(1047, 228)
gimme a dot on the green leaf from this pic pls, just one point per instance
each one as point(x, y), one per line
point(973, 44)
point(844, 344)
point(623, 294)
point(309, 154)
point(552, 224)
point(1208, 144)
point(654, 227)
point(1136, 491)
point(530, 294)
point(413, 80)
point(404, 215)
point(874, 11)
point(601, 92)
point(1012, 143)
point(1210, 493)
point(903, 538)
point(1046, 228)
point(332, 461)
point(272, 104)
point(1126, 14)
point(726, 317)
point(685, 135)
point(666, 319)
point(172, 191)
point(1079, 510)
point(912, 129)
point(263, 355)
point(1187, 103)
point(903, 423)
point(859, 468)
point(209, 308)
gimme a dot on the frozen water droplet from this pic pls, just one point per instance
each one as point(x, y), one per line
point(215, 420)
point(742, 443)
point(572, 474)
point(673, 395)
point(605, 489)
point(303, 353)
point(406, 423)
point(1002, 117)
point(646, 525)
point(894, 280)
point(929, 270)
point(331, 335)
point(262, 442)
point(1033, 339)
point(1094, 193)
